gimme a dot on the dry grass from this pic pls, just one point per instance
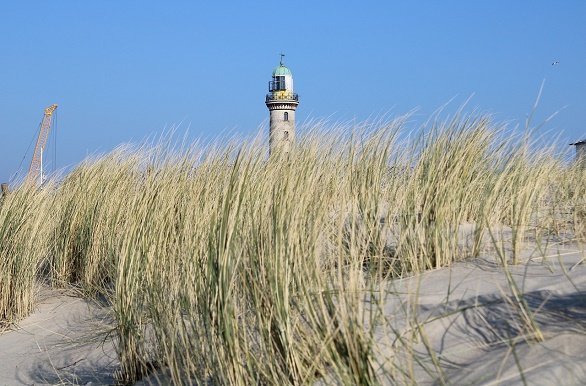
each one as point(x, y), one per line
point(225, 267)
point(23, 245)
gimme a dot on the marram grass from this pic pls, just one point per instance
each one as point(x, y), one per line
point(24, 246)
point(224, 266)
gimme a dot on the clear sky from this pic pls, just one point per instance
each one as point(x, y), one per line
point(123, 70)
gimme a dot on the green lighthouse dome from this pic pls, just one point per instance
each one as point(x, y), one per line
point(281, 71)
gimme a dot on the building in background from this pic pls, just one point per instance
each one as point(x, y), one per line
point(282, 103)
point(580, 151)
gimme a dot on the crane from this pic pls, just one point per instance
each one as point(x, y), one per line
point(35, 171)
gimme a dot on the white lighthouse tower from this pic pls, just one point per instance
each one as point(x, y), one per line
point(282, 103)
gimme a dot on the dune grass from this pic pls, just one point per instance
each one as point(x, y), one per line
point(23, 245)
point(223, 266)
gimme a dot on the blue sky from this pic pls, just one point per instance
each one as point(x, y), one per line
point(123, 70)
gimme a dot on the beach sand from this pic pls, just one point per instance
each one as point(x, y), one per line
point(467, 313)
point(470, 317)
point(64, 341)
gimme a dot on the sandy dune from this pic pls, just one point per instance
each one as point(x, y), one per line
point(469, 315)
point(466, 311)
point(64, 341)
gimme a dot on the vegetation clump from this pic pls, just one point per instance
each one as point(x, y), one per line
point(224, 266)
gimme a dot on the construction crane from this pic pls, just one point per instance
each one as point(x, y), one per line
point(35, 172)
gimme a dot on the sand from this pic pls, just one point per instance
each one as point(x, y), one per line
point(65, 341)
point(470, 318)
point(466, 312)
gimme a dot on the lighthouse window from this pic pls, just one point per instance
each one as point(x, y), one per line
point(280, 83)
point(286, 118)
point(286, 135)
point(277, 84)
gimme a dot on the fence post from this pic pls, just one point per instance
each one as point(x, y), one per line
point(4, 189)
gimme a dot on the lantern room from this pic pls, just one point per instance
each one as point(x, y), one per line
point(281, 85)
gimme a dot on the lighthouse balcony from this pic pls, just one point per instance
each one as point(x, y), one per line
point(280, 96)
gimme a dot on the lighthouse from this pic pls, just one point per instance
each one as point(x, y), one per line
point(282, 103)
